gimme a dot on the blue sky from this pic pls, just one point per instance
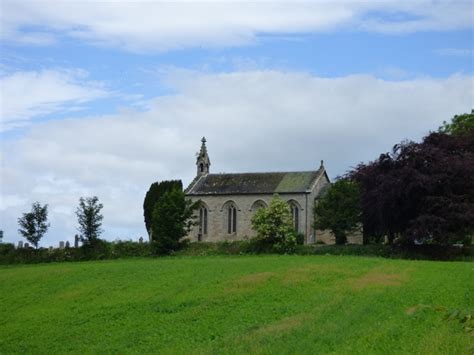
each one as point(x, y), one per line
point(103, 98)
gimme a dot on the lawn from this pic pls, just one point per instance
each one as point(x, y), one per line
point(223, 304)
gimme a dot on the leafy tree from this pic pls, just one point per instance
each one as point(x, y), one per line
point(89, 219)
point(274, 225)
point(339, 209)
point(421, 192)
point(156, 190)
point(33, 225)
point(173, 217)
point(460, 124)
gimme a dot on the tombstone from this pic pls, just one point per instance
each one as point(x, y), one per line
point(76, 241)
point(140, 240)
point(68, 245)
point(20, 244)
point(61, 245)
point(26, 246)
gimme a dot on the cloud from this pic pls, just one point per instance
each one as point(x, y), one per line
point(253, 120)
point(142, 26)
point(26, 95)
point(398, 17)
point(456, 52)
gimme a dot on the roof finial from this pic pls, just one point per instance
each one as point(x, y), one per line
point(202, 160)
point(203, 147)
point(322, 163)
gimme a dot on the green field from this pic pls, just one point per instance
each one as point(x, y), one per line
point(222, 304)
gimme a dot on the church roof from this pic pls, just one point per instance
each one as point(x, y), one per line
point(254, 183)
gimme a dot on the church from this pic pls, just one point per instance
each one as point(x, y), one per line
point(228, 201)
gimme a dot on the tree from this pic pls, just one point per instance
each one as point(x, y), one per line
point(156, 190)
point(421, 192)
point(274, 225)
point(89, 219)
point(339, 210)
point(173, 217)
point(33, 225)
point(460, 124)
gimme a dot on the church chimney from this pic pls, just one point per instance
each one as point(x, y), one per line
point(202, 162)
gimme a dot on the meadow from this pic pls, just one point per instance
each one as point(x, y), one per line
point(236, 304)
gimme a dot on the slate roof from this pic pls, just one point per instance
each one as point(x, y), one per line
point(254, 183)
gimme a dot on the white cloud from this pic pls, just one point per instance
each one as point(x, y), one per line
point(254, 121)
point(456, 52)
point(156, 25)
point(30, 94)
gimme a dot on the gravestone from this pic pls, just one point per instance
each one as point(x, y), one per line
point(140, 240)
point(76, 241)
point(61, 245)
point(20, 244)
point(26, 246)
point(68, 245)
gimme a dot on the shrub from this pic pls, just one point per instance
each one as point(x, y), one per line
point(173, 217)
point(274, 226)
point(339, 210)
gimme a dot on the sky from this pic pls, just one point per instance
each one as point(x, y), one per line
point(103, 98)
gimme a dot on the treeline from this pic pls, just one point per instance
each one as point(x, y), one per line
point(417, 194)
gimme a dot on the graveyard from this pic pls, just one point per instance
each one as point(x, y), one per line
point(236, 304)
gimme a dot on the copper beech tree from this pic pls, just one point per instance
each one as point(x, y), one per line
point(421, 193)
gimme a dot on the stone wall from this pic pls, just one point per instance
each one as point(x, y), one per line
point(327, 237)
point(246, 206)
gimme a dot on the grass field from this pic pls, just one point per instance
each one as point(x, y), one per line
point(270, 304)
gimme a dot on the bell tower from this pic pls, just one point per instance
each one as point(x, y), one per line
point(202, 162)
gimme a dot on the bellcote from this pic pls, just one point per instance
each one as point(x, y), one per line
point(202, 162)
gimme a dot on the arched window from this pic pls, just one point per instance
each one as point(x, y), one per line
point(295, 216)
point(229, 212)
point(257, 205)
point(203, 220)
point(231, 219)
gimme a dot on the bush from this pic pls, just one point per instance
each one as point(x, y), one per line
point(274, 227)
point(124, 249)
point(173, 217)
point(99, 250)
point(299, 238)
point(339, 209)
point(255, 246)
point(128, 248)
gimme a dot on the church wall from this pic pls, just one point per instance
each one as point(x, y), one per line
point(311, 234)
point(217, 215)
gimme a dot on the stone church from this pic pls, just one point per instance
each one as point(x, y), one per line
point(228, 201)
